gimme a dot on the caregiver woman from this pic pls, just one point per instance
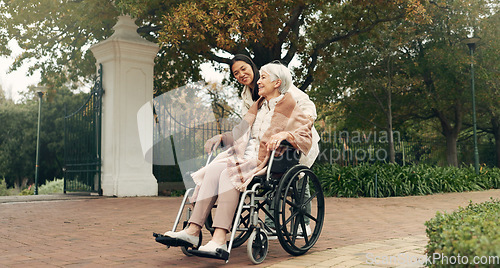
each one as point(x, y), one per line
point(274, 117)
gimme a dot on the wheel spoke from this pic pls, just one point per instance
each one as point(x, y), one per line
point(310, 198)
point(303, 188)
point(292, 204)
point(293, 215)
point(304, 231)
point(293, 186)
point(310, 217)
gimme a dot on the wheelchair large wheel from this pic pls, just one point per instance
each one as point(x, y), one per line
point(296, 209)
point(257, 246)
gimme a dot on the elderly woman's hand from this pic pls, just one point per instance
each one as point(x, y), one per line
point(276, 139)
point(212, 143)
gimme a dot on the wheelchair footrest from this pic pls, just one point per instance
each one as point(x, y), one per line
point(219, 254)
point(170, 241)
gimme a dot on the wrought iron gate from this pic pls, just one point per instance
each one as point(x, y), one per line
point(82, 144)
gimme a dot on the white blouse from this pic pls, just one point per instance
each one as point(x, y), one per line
point(261, 124)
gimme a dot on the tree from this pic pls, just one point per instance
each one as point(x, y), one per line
point(271, 30)
point(424, 63)
point(57, 32)
point(55, 36)
point(371, 76)
point(2, 95)
point(441, 63)
point(17, 142)
point(219, 97)
point(54, 108)
point(18, 136)
point(488, 79)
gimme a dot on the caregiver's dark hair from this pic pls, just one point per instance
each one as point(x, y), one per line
point(256, 75)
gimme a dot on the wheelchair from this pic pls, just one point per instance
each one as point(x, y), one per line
point(280, 195)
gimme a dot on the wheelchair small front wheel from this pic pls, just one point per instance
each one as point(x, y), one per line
point(257, 246)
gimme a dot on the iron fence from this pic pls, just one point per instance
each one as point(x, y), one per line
point(82, 143)
point(191, 139)
point(179, 136)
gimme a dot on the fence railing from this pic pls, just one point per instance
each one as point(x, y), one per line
point(352, 153)
point(190, 139)
point(180, 135)
point(82, 143)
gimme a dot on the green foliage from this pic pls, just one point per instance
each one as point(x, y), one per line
point(395, 180)
point(30, 190)
point(18, 136)
point(471, 231)
point(52, 187)
point(178, 193)
point(415, 74)
point(54, 107)
point(17, 141)
point(56, 34)
point(3, 188)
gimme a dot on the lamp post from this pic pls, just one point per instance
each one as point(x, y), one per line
point(40, 96)
point(471, 43)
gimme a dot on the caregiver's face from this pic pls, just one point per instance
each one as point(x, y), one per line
point(243, 72)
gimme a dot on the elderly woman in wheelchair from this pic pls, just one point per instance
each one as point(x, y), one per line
point(274, 118)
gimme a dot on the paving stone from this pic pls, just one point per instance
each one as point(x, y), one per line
point(92, 231)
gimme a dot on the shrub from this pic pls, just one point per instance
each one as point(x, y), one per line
point(383, 180)
point(3, 188)
point(30, 190)
point(473, 232)
point(52, 187)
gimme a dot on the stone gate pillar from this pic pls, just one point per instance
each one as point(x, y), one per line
point(127, 62)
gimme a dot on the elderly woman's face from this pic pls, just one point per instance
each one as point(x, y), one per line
point(267, 88)
point(243, 72)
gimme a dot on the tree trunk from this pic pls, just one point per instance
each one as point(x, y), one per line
point(387, 109)
point(390, 140)
point(497, 143)
point(392, 153)
point(451, 133)
point(451, 150)
point(495, 122)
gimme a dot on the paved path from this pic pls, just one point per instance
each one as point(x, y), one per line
point(76, 231)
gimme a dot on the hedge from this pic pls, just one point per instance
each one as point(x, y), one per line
point(384, 180)
point(468, 237)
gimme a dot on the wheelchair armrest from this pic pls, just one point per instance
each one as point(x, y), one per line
point(286, 143)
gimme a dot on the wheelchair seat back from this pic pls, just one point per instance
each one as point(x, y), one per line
point(287, 160)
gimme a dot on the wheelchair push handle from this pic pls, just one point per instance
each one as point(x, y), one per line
point(212, 152)
point(208, 158)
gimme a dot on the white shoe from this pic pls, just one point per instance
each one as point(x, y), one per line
point(182, 235)
point(308, 230)
point(211, 246)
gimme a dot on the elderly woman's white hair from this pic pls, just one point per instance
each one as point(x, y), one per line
point(279, 71)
